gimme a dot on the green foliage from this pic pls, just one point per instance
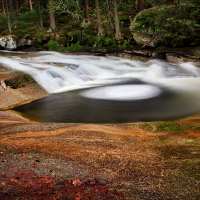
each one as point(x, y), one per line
point(73, 33)
point(3, 17)
point(166, 127)
point(127, 7)
point(23, 29)
point(3, 23)
point(24, 8)
point(26, 36)
point(160, 2)
point(53, 45)
point(146, 19)
point(68, 27)
point(70, 8)
point(28, 16)
point(87, 39)
point(39, 37)
point(146, 126)
point(148, 4)
point(76, 48)
point(103, 42)
point(178, 21)
point(25, 77)
point(110, 44)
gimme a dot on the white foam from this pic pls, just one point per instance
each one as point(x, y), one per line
point(123, 92)
point(57, 72)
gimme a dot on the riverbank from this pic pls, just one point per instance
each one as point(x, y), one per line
point(174, 55)
point(117, 161)
point(17, 88)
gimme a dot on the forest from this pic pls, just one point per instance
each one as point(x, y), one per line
point(80, 25)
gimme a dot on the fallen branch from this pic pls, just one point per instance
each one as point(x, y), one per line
point(148, 42)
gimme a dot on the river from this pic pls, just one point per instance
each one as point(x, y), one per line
point(94, 89)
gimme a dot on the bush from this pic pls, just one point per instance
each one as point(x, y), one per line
point(3, 24)
point(179, 20)
point(103, 42)
point(53, 45)
point(76, 48)
point(22, 29)
point(28, 16)
point(39, 37)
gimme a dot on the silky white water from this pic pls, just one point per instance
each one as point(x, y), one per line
point(57, 72)
point(91, 89)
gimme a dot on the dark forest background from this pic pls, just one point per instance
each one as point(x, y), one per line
point(77, 25)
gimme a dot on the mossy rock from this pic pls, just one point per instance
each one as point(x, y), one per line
point(19, 81)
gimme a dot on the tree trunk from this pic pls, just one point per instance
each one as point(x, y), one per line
point(140, 5)
point(116, 18)
point(3, 8)
point(51, 17)
point(45, 4)
point(12, 10)
point(86, 11)
point(100, 29)
point(9, 26)
point(39, 14)
point(17, 7)
point(21, 3)
point(109, 15)
point(30, 4)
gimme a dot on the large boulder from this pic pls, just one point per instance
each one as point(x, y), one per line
point(27, 42)
point(145, 35)
point(144, 38)
point(8, 43)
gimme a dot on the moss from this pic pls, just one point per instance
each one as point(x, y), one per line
point(166, 127)
point(19, 81)
point(147, 127)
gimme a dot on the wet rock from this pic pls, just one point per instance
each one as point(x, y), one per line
point(8, 43)
point(142, 53)
point(158, 54)
point(175, 58)
point(139, 53)
point(26, 42)
point(99, 50)
point(22, 41)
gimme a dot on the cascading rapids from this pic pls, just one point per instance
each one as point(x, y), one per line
point(108, 89)
point(57, 72)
